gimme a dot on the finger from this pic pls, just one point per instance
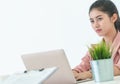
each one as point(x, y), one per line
point(78, 78)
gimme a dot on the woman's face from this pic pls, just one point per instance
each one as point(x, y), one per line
point(101, 22)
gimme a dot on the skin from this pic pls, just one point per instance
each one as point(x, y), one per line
point(103, 25)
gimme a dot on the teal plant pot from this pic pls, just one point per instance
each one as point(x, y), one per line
point(102, 70)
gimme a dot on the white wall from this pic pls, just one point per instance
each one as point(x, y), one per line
point(38, 25)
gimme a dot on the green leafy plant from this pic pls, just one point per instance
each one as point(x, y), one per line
point(100, 51)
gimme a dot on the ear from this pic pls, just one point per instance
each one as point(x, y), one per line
point(114, 17)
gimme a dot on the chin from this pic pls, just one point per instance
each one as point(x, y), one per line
point(101, 35)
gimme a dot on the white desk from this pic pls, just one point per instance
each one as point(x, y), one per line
point(115, 81)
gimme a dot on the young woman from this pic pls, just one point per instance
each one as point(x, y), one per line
point(105, 21)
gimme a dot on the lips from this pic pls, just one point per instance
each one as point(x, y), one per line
point(98, 30)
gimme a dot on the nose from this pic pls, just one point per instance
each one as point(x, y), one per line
point(96, 24)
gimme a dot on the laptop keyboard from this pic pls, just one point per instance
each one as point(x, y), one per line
point(30, 77)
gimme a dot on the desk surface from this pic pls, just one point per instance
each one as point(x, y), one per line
point(115, 81)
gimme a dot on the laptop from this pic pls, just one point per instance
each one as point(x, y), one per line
point(53, 58)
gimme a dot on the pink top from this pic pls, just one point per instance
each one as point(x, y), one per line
point(85, 64)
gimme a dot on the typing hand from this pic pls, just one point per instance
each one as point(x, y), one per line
point(116, 70)
point(82, 75)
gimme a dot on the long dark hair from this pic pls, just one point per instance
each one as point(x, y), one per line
point(108, 7)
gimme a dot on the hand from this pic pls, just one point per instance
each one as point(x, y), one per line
point(82, 75)
point(116, 70)
point(75, 73)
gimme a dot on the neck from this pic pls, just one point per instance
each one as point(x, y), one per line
point(109, 38)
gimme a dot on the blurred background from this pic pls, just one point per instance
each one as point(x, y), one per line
point(28, 26)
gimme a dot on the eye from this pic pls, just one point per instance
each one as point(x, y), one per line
point(92, 21)
point(99, 19)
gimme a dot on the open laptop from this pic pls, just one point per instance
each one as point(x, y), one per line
point(53, 58)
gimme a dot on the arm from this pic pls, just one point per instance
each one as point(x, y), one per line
point(82, 70)
point(117, 66)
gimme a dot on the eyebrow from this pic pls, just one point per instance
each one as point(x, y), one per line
point(96, 17)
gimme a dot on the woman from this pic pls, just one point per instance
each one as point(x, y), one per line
point(105, 21)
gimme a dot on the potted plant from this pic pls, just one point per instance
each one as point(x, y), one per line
point(101, 63)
